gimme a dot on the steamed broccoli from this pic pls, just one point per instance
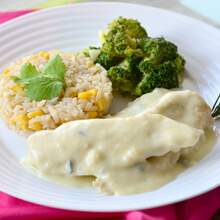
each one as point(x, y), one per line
point(91, 52)
point(165, 74)
point(132, 27)
point(98, 56)
point(126, 75)
point(130, 63)
point(106, 60)
point(121, 79)
point(136, 63)
point(121, 38)
point(162, 67)
point(162, 76)
point(180, 65)
point(159, 50)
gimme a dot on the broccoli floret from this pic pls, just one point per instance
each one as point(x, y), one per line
point(92, 52)
point(98, 56)
point(121, 38)
point(131, 64)
point(180, 64)
point(106, 60)
point(162, 67)
point(87, 50)
point(136, 63)
point(158, 50)
point(166, 75)
point(121, 79)
point(126, 75)
point(133, 27)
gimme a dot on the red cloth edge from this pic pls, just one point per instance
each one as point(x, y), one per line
point(201, 207)
point(6, 16)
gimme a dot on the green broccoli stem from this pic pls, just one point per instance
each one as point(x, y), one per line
point(216, 108)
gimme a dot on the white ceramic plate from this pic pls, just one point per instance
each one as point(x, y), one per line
point(74, 27)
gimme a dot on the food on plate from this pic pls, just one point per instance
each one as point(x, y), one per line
point(182, 106)
point(136, 150)
point(137, 63)
point(45, 90)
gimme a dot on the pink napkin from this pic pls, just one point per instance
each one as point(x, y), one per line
point(199, 208)
point(6, 16)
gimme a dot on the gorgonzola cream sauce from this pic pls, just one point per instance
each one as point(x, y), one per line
point(137, 150)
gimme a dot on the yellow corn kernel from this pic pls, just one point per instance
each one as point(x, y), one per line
point(88, 94)
point(34, 114)
point(24, 127)
point(22, 118)
point(92, 114)
point(93, 92)
point(83, 95)
point(18, 89)
point(27, 61)
point(36, 126)
point(6, 72)
point(11, 121)
point(89, 63)
point(19, 106)
point(101, 104)
point(44, 54)
point(71, 54)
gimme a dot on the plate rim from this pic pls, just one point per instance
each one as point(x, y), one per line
point(108, 3)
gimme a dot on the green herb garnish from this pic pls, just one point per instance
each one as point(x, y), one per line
point(47, 85)
point(216, 108)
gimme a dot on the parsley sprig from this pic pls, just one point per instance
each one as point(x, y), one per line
point(47, 85)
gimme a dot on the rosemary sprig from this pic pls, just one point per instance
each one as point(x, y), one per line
point(216, 108)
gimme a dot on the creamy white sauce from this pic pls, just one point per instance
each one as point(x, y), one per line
point(137, 150)
point(183, 106)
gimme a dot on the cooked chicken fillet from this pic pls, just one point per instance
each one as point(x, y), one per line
point(183, 106)
point(149, 132)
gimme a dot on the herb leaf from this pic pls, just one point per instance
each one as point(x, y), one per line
point(55, 68)
point(43, 86)
point(28, 72)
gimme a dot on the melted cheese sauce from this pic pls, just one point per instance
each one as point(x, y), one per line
point(139, 149)
point(149, 177)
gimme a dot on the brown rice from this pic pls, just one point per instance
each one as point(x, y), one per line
point(81, 75)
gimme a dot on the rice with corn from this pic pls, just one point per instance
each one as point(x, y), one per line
point(88, 94)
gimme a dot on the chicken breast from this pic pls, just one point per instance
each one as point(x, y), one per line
point(143, 141)
point(183, 106)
